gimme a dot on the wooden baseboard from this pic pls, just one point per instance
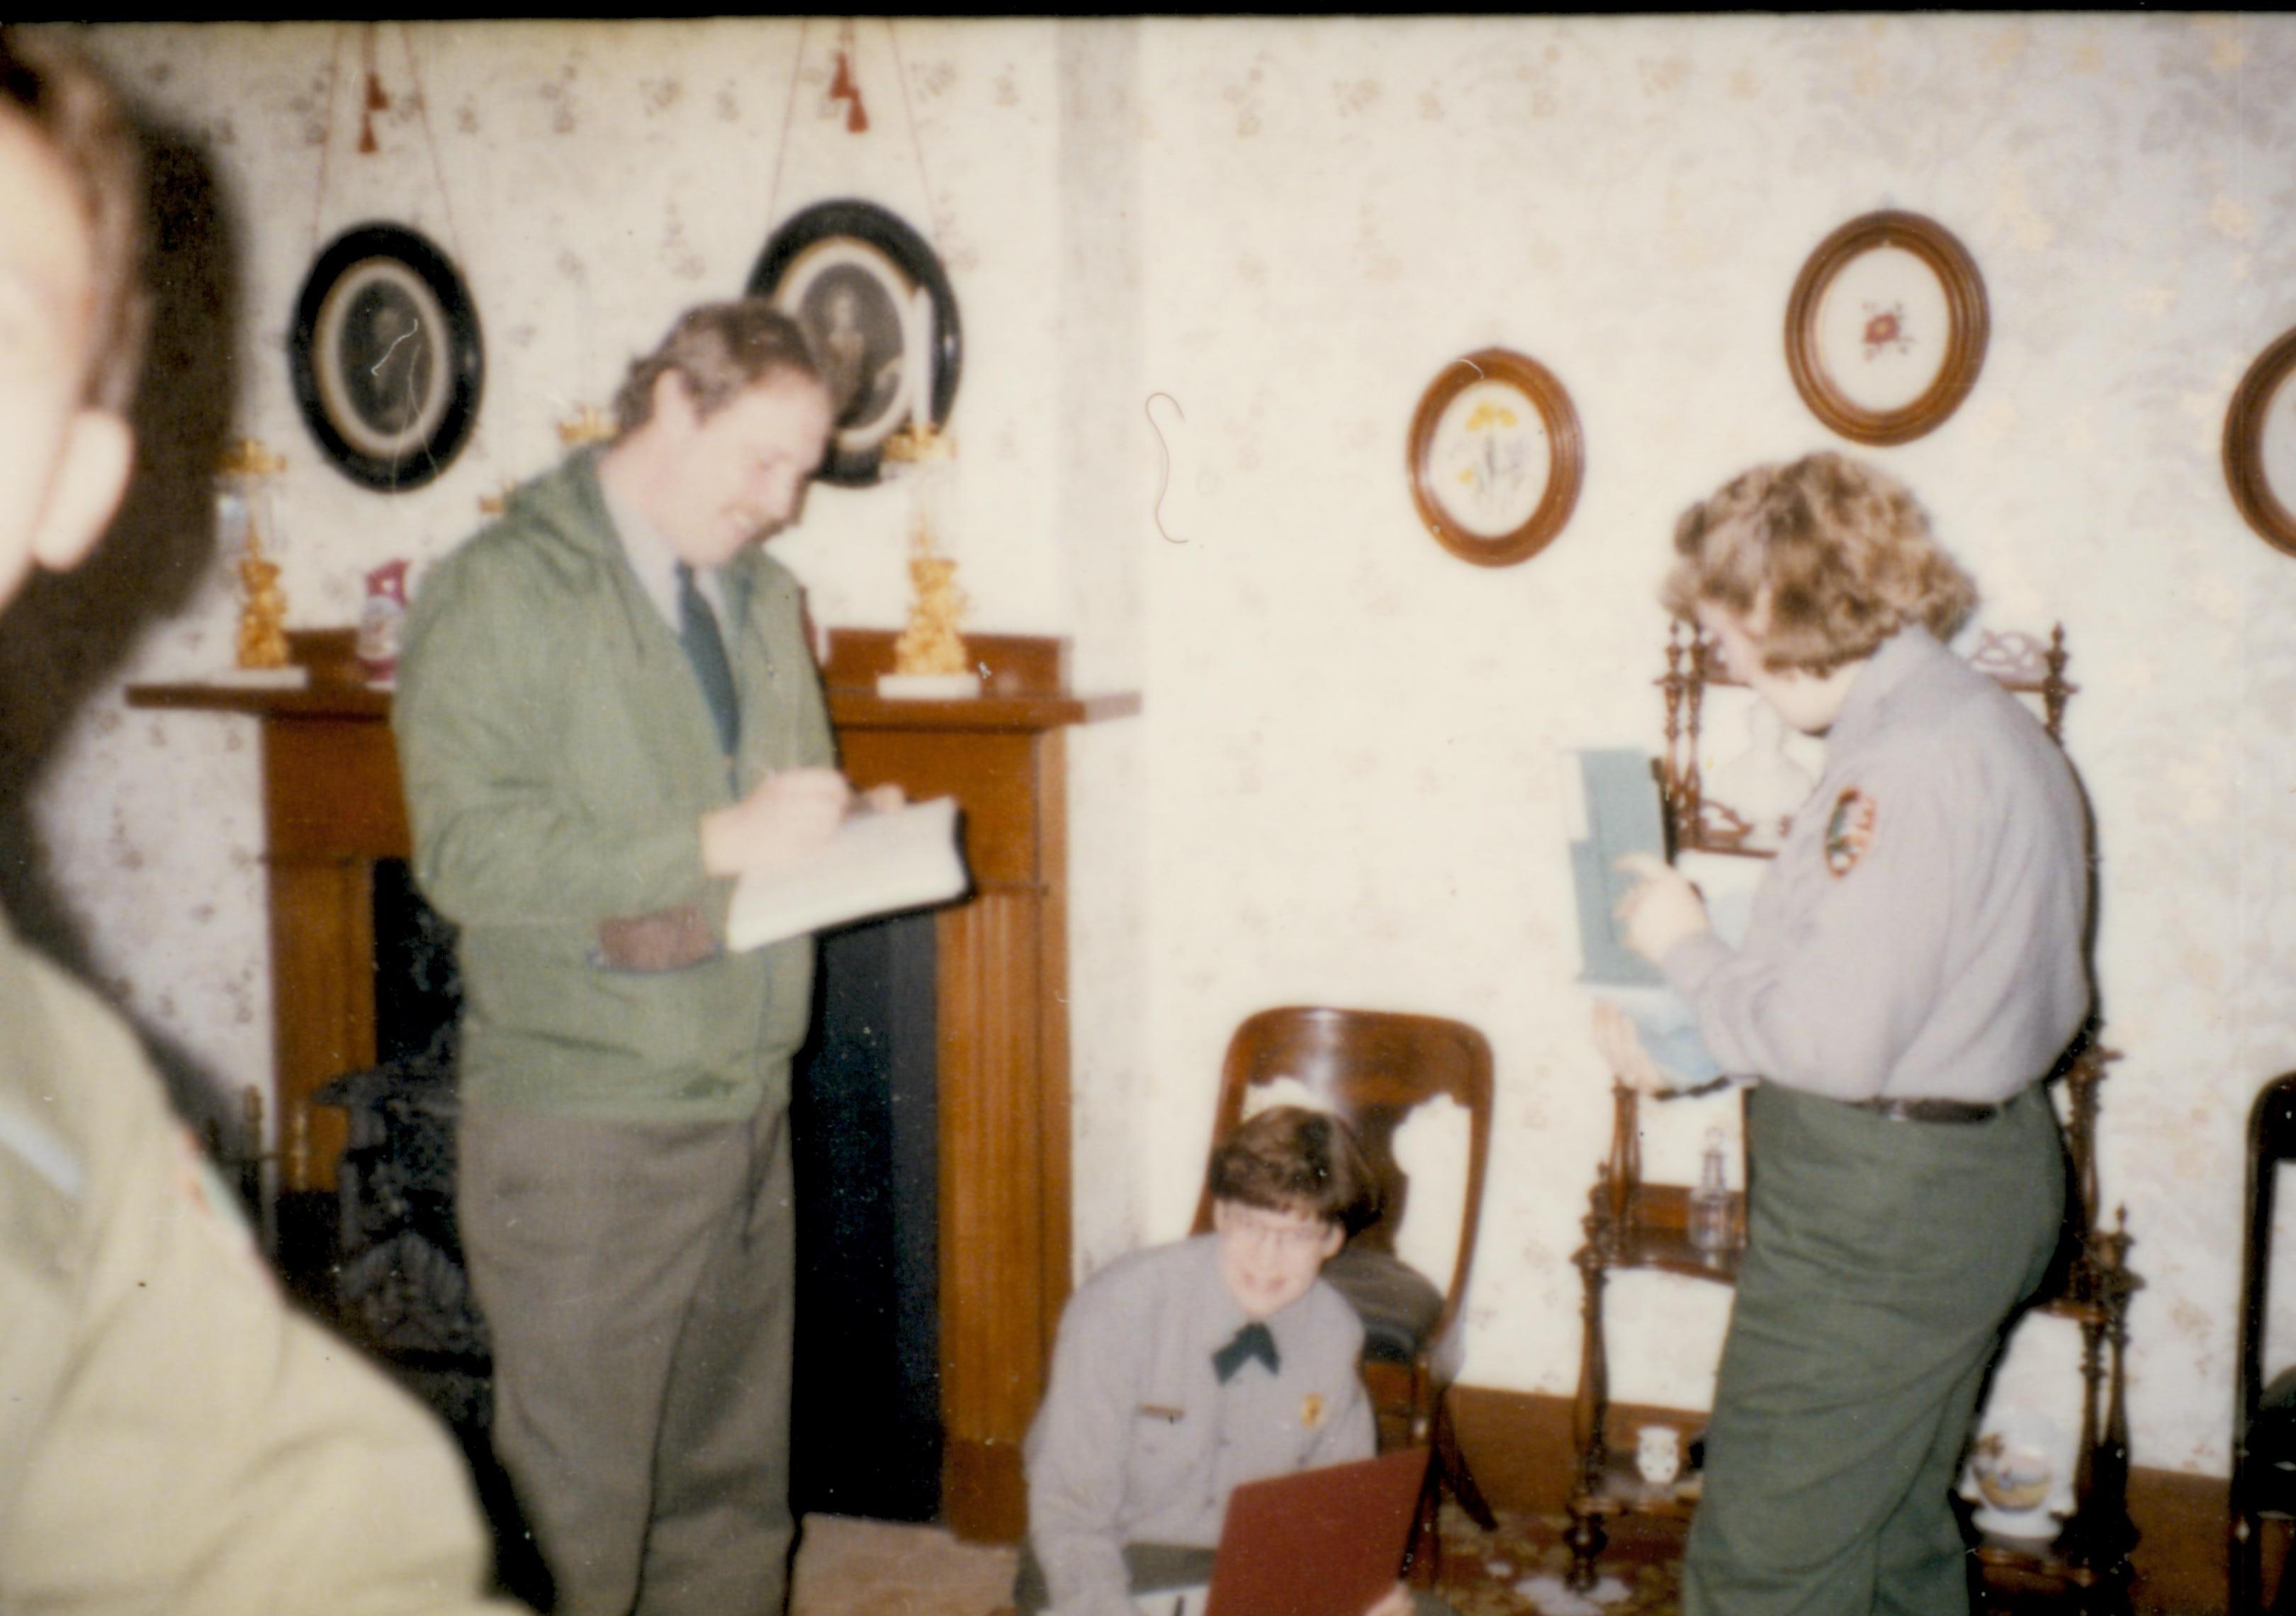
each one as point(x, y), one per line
point(1519, 1445)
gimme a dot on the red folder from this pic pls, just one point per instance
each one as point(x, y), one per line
point(1325, 1542)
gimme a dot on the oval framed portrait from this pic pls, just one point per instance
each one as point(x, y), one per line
point(386, 358)
point(871, 294)
point(1887, 327)
point(1496, 457)
point(2259, 445)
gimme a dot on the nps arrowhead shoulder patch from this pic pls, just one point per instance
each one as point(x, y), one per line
point(1849, 831)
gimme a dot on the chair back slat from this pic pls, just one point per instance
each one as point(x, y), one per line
point(2271, 1140)
point(1372, 1069)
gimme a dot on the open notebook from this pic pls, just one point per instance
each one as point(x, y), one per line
point(904, 858)
point(1325, 1542)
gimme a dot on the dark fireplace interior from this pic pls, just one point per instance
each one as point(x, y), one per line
point(867, 1435)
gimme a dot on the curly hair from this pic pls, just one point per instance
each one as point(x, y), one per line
point(717, 350)
point(1288, 1159)
point(1825, 558)
point(72, 111)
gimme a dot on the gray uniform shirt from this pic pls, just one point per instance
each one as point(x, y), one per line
point(1920, 932)
point(1138, 1441)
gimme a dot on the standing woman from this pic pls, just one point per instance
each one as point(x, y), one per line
point(1914, 966)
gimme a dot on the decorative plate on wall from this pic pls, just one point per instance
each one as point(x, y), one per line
point(2259, 445)
point(1887, 327)
point(873, 295)
point(386, 358)
point(1496, 457)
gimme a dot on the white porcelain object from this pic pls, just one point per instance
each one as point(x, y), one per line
point(1657, 1453)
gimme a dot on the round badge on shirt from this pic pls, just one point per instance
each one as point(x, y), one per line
point(1849, 831)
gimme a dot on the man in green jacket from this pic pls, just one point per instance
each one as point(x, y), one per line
point(607, 710)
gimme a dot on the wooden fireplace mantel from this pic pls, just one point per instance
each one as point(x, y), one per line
point(332, 806)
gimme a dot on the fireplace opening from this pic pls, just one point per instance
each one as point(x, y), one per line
point(866, 1428)
point(866, 1432)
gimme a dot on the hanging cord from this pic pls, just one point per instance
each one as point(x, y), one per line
point(431, 139)
point(916, 142)
point(774, 196)
point(327, 134)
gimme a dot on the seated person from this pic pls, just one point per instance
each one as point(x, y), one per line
point(1184, 1371)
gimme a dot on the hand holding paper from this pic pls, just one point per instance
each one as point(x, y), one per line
point(1621, 833)
point(1623, 1052)
point(788, 816)
point(1661, 910)
point(875, 862)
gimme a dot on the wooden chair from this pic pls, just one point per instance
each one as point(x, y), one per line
point(1372, 1068)
point(2264, 1416)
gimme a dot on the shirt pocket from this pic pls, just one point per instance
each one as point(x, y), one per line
point(1162, 1456)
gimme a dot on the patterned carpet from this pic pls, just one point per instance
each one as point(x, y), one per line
point(1521, 1567)
point(872, 1567)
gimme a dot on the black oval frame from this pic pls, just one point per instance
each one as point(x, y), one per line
point(462, 355)
point(885, 230)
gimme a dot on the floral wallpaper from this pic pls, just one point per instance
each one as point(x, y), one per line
point(1206, 269)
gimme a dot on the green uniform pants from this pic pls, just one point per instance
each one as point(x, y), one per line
point(1882, 1260)
point(637, 1280)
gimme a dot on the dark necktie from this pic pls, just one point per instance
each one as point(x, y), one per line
point(1252, 1342)
point(705, 648)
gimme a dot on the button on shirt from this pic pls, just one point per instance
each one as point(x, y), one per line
point(1920, 932)
point(1139, 1442)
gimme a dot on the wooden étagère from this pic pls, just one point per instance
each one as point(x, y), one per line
point(334, 806)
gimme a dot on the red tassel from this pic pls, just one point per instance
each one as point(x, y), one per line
point(843, 87)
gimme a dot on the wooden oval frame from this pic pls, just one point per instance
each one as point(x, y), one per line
point(1968, 319)
point(1566, 455)
point(2243, 446)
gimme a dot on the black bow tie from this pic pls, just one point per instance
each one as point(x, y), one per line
point(1252, 1342)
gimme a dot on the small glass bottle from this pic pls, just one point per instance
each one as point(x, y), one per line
point(1709, 1202)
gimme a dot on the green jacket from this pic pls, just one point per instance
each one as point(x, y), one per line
point(558, 757)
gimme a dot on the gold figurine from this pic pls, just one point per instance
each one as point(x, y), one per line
point(925, 458)
point(930, 643)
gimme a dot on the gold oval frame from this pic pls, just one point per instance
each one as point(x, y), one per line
point(1566, 451)
point(2243, 446)
point(1967, 317)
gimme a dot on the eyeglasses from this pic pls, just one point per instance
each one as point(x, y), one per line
point(1290, 1231)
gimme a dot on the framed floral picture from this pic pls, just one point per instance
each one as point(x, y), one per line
point(1496, 457)
point(1887, 327)
point(2259, 445)
point(385, 357)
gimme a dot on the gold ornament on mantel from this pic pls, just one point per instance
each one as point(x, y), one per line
point(589, 424)
point(929, 659)
point(930, 643)
point(243, 477)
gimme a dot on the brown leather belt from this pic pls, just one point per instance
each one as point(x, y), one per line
point(1930, 1110)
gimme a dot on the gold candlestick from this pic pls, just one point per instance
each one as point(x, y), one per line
point(243, 477)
